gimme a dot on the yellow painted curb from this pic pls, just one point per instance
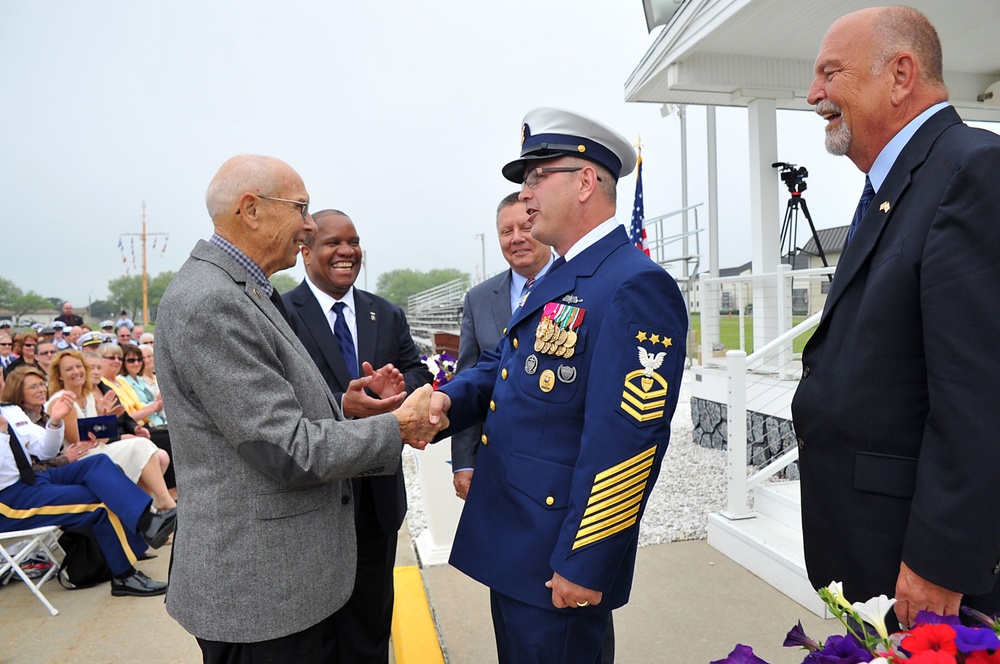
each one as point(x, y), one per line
point(414, 638)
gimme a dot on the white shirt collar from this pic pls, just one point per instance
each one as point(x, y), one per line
point(591, 238)
point(326, 301)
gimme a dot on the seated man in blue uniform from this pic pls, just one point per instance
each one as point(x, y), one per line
point(91, 494)
point(576, 402)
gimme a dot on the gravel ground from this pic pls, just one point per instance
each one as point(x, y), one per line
point(691, 485)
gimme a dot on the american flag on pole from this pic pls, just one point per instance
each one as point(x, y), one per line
point(637, 231)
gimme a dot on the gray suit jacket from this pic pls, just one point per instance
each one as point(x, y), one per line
point(485, 314)
point(265, 542)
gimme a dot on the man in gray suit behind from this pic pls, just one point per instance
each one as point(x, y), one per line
point(486, 311)
point(264, 552)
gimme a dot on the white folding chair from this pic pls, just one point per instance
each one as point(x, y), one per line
point(45, 539)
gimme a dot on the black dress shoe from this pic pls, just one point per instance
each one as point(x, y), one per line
point(160, 527)
point(137, 585)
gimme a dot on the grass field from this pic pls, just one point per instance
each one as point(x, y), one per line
point(730, 332)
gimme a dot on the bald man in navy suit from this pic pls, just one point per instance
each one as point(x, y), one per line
point(381, 338)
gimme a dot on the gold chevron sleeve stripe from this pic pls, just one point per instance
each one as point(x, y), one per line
point(606, 523)
point(608, 533)
point(641, 456)
point(624, 485)
point(639, 416)
point(626, 502)
point(78, 508)
point(642, 404)
point(596, 537)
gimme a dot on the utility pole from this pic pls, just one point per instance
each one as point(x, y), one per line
point(145, 276)
point(482, 243)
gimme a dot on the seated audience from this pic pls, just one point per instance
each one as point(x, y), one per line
point(59, 339)
point(45, 350)
point(112, 378)
point(124, 336)
point(133, 364)
point(6, 350)
point(149, 368)
point(73, 336)
point(115, 510)
point(24, 348)
point(138, 457)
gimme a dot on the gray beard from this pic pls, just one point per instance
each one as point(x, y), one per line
point(839, 141)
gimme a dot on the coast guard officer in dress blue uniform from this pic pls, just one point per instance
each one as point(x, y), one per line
point(576, 402)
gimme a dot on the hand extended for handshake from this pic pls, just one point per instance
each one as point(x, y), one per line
point(414, 418)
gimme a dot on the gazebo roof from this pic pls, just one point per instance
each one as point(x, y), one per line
point(729, 52)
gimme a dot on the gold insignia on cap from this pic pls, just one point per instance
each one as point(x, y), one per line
point(581, 148)
point(615, 498)
point(884, 207)
point(524, 132)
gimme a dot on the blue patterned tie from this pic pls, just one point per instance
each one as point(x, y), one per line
point(345, 340)
point(866, 199)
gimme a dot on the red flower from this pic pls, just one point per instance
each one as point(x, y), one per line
point(932, 657)
point(981, 657)
point(930, 637)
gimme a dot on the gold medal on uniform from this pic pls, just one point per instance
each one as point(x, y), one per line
point(547, 380)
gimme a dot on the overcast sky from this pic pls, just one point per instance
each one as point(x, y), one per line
point(400, 114)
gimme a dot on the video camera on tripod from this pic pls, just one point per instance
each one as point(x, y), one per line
point(794, 178)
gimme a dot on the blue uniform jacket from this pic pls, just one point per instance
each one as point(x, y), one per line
point(571, 447)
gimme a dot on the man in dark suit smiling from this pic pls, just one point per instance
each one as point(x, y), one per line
point(896, 412)
point(348, 332)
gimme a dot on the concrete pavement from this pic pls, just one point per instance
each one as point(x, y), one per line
point(690, 605)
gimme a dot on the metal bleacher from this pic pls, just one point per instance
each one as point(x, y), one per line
point(437, 309)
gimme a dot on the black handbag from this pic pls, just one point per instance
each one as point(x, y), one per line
point(84, 565)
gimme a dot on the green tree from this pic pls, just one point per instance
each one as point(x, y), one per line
point(9, 292)
point(102, 309)
point(126, 293)
point(283, 282)
point(30, 302)
point(398, 285)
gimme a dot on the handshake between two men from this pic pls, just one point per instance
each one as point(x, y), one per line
point(413, 412)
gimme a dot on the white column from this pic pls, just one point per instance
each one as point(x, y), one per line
point(765, 219)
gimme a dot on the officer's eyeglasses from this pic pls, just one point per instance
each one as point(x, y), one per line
point(532, 177)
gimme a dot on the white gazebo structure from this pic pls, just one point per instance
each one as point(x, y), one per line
point(759, 54)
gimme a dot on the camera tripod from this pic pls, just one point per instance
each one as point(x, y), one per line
point(794, 179)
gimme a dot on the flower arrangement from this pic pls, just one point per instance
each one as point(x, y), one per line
point(442, 365)
point(933, 639)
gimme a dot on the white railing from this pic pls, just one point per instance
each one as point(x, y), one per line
point(740, 369)
point(774, 312)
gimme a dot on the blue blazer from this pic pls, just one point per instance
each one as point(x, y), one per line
point(896, 413)
point(571, 447)
point(383, 337)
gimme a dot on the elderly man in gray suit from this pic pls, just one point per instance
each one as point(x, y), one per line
point(264, 552)
point(486, 311)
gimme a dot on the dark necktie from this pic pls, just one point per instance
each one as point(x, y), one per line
point(278, 304)
point(345, 340)
point(867, 196)
point(20, 458)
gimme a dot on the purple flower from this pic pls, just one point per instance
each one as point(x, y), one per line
point(931, 618)
point(797, 637)
point(741, 654)
point(971, 639)
point(840, 650)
